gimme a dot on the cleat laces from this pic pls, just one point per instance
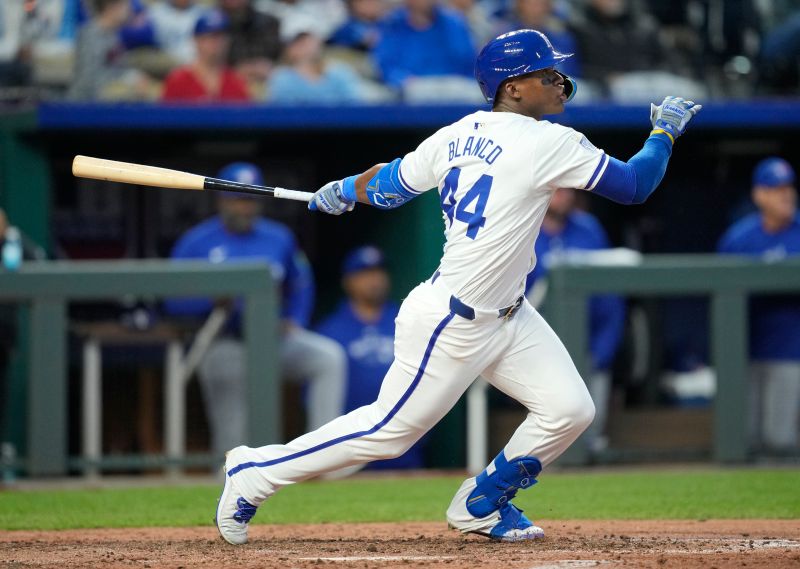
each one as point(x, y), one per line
point(244, 512)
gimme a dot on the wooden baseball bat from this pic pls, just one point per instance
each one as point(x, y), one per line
point(128, 173)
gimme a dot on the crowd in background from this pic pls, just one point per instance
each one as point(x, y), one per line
point(362, 51)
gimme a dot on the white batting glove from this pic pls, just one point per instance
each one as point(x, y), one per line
point(329, 199)
point(672, 115)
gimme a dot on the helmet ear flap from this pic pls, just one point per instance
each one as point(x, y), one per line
point(570, 86)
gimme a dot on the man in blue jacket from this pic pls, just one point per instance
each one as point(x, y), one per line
point(772, 233)
point(566, 229)
point(240, 233)
point(423, 39)
point(364, 325)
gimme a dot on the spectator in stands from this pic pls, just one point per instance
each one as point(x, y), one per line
point(772, 233)
point(364, 326)
point(565, 231)
point(424, 39)
point(173, 24)
point(540, 15)
point(320, 17)
point(138, 29)
point(208, 78)
point(779, 60)
point(361, 31)
point(22, 26)
point(483, 24)
point(613, 40)
point(306, 78)
point(239, 232)
point(14, 69)
point(255, 40)
point(101, 70)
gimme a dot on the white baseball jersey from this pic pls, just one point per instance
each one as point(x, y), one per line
point(496, 173)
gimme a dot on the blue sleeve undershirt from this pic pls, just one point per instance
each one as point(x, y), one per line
point(386, 189)
point(632, 182)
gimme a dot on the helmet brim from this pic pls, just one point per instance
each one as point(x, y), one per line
point(556, 60)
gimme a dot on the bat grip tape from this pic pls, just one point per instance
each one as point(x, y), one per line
point(292, 195)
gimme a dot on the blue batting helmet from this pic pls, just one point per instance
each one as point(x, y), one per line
point(242, 172)
point(514, 54)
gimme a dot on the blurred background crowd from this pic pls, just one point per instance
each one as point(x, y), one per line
point(371, 51)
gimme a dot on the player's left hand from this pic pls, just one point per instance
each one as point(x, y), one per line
point(673, 115)
point(329, 199)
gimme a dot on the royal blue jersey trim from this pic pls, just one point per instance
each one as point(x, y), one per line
point(405, 184)
point(420, 372)
point(597, 171)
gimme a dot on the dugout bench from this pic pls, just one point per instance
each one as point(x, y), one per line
point(47, 287)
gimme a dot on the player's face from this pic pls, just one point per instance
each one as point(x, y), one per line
point(778, 203)
point(212, 47)
point(239, 214)
point(562, 202)
point(370, 286)
point(540, 93)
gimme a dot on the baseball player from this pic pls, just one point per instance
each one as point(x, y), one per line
point(495, 173)
point(772, 233)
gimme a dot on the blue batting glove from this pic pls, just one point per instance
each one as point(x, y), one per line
point(329, 199)
point(672, 116)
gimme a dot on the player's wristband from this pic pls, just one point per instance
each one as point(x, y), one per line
point(349, 189)
point(662, 131)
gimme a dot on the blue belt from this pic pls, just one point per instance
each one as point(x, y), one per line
point(466, 311)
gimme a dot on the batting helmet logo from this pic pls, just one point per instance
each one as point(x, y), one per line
point(517, 53)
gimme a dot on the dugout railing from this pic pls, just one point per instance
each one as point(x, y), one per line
point(727, 281)
point(48, 287)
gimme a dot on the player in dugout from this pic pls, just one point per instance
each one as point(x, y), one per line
point(363, 324)
point(240, 232)
point(772, 233)
point(496, 172)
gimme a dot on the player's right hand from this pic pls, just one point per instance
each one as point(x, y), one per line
point(329, 199)
point(672, 115)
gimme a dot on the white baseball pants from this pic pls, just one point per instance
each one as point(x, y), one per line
point(438, 354)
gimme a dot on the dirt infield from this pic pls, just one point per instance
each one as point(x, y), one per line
point(773, 544)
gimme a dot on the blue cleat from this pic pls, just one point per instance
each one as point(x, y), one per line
point(513, 526)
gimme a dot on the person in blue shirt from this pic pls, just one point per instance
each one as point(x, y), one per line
point(540, 15)
point(240, 233)
point(423, 38)
point(363, 324)
point(564, 230)
point(361, 31)
point(305, 77)
point(772, 233)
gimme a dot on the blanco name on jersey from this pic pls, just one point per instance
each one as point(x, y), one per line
point(496, 173)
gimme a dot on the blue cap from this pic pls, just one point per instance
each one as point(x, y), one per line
point(363, 258)
point(773, 172)
point(211, 22)
point(244, 173)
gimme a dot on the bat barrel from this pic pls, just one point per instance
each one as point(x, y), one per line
point(129, 173)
